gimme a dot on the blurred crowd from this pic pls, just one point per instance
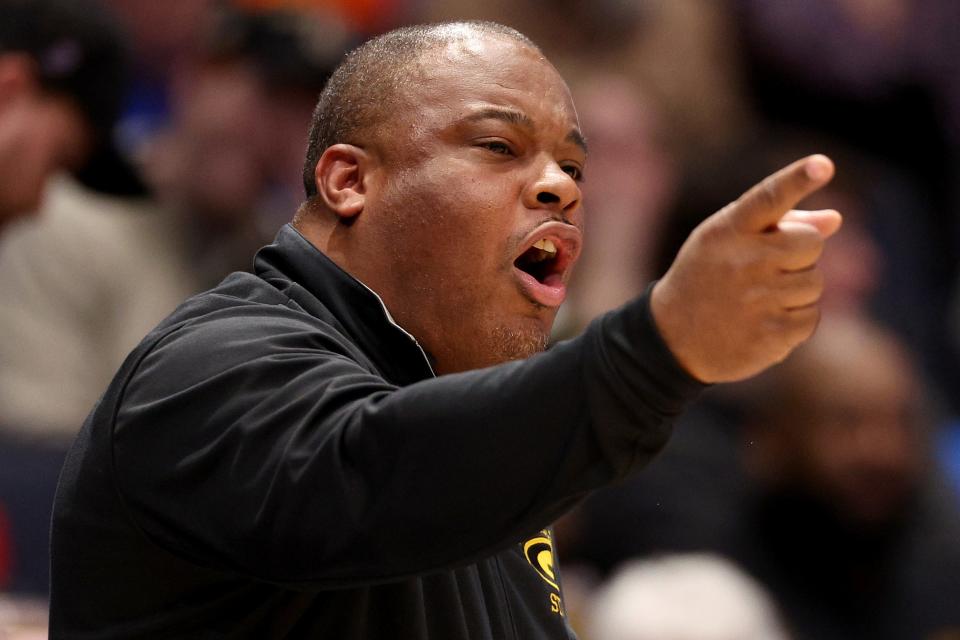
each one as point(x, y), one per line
point(147, 149)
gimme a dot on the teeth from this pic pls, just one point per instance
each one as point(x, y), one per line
point(545, 245)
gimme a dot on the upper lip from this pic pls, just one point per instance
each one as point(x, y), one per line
point(567, 238)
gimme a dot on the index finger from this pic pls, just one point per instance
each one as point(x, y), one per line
point(765, 203)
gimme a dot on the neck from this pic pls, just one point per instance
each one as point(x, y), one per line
point(319, 227)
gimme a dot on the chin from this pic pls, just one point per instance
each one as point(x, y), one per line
point(516, 343)
point(489, 343)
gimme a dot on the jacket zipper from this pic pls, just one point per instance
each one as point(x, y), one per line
point(386, 312)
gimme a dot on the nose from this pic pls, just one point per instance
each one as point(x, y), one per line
point(553, 189)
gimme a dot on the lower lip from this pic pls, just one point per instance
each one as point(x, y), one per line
point(550, 293)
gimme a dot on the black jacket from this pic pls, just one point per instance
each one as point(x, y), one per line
point(276, 460)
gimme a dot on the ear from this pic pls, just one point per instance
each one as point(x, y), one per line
point(17, 76)
point(342, 175)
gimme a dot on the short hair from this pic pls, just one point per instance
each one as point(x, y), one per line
point(362, 91)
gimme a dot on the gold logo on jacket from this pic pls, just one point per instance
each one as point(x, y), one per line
point(539, 553)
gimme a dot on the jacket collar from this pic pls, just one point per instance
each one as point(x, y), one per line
point(360, 312)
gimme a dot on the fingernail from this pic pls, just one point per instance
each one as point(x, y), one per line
point(818, 168)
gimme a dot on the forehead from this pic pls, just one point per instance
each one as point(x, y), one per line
point(847, 365)
point(482, 69)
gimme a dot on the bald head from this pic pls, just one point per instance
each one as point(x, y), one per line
point(363, 91)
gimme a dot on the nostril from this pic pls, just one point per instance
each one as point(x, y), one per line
point(545, 197)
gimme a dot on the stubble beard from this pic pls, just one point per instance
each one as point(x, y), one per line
point(515, 343)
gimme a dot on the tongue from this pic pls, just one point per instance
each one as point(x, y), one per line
point(552, 280)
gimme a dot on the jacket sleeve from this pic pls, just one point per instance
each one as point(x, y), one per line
point(265, 451)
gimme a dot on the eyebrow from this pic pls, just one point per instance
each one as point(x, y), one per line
point(519, 118)
point(577, 138)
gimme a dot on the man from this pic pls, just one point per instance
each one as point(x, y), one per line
point(311, 450)
point(61, 67)
point(87, 278)
point(846, 513)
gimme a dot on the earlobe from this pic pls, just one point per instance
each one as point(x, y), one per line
point(340, 177)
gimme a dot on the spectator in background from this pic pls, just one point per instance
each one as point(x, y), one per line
point(632, 182)
point(238, 109)
point(848, 524)
point(82, 282)
point(61, 71)
point(836, 507)
point(683, 597)
point(164, 37)
point(94, 273)
point(62, 65)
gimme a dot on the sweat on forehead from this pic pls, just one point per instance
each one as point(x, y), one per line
point(362, 91)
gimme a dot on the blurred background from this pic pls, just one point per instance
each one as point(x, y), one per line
point(147, 149)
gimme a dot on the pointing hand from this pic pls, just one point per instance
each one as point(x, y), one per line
point(744, 289)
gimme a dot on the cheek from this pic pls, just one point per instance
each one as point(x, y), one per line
point(37, 137)
point(36, 157)
point(460, 225)
point(61, 139)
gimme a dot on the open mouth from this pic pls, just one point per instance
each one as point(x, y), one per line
point(540, 262)
point(542, 267)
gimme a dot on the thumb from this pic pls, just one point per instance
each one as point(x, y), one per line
point(826, 221)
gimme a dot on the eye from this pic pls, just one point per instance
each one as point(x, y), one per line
point(498, 147)
point(574, 172)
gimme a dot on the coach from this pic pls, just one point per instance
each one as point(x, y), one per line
point(362, 439)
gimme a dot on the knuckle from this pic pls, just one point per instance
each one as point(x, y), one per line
point(749, 271)
point(817, 281)
point(784, 328)
point(713, 231)
point(804, 254)
point(805, 322)
point(810, 280)
point(754, 301)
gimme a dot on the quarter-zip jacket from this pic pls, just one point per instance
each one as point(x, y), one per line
point(277, 460)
